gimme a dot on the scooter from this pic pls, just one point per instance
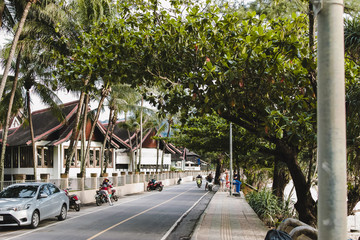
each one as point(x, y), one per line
point(74, 201)
point(154, 185)
point(100, 196)
point(209, 186)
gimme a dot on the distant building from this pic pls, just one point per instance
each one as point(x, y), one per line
point(52, 139)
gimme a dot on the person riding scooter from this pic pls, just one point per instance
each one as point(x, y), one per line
point(199, 180)
point(209, 178)
point(106, 188)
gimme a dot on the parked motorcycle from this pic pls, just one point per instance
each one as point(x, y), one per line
point(100, 197)
point(154, 185)
point(199, 182)
point(74, 201)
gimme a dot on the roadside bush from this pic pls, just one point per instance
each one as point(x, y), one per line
point(173, 169)
point(268, 207)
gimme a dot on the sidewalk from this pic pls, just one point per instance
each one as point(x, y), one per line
point(229, 218)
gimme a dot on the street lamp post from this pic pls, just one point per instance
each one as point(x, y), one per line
point(231, 160)
point(331, 137)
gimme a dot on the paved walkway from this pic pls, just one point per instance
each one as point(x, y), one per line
point(229, 218)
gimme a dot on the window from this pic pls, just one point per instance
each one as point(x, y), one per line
point(122, 166)
point(39, 157)
point(16, 158)
point(7, 163)
point(45, 189)
point(110, 158)
point(78, 158)
point(93, 159)
point(97, 157)
point(26, 158)
point(53, 189)
point(45, 156)
point(48, 156)
point(72, 161)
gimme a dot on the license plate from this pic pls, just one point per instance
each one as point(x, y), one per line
point(77, 202)
point(1, 218)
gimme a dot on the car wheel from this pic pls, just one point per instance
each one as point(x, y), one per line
point(77, 207)
point(63, 213)
point(35, 219)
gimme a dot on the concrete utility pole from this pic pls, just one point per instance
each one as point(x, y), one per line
point(231, 160)
point(332, 221)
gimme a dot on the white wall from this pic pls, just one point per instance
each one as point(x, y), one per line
point(149, 156)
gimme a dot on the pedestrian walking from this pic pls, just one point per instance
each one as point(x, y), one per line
point(222, 181)
point(227, 181)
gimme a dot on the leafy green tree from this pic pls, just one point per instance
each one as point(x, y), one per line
point(352, 47)
point(251, 71)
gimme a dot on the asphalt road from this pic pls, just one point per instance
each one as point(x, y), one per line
point(170, 214)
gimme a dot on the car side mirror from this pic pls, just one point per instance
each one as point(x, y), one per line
point(43, 195)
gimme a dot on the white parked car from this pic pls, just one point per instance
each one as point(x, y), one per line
point(28, 203)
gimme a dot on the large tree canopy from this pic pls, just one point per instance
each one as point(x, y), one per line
point(250, 70)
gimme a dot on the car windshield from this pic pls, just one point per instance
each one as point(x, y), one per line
point(25, 191)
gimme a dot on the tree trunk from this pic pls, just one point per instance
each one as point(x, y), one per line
point(280, 178)
point(157, 154)
point(353, 193)
point(2, 8)
point(137, 151)
point(162, 158)
point(104, 143)
point(93, 129)
point(32, 133)
point(131, 152)
point(110, 139)
point(7, 121)
point(75, 132)
point(217, 171)
point(353, 198)
point(312, 72)
point(141, 132)
point(13, 46)
point(305, 205)
point(83, 138)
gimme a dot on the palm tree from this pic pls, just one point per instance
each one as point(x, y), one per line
point(36, 39)
point(352, 39)
point(33, 75)
point(7, 121)
point(118, 100)
point(159, 125)
point(105, 91)
point(6, 19)
point(14, 44)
